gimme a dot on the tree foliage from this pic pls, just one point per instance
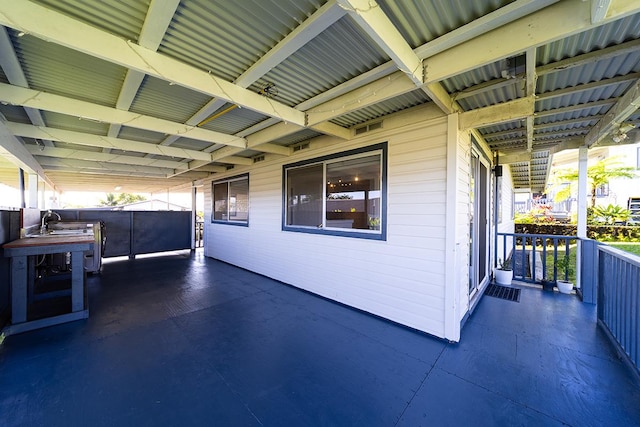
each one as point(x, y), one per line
point(121, 199)
point(598, 175)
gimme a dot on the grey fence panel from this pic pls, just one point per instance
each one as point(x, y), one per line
point(589, 270)
point(117, 229)
point(161, 231)
point(619, 300)
point(9, 230)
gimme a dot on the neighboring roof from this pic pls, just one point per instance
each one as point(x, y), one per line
point(145, 95)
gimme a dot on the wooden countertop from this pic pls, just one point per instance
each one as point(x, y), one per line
point(49, 240)
point(48, 245)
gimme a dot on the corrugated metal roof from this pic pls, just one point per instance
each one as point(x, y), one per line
point(127, 132)
point(234, 120)
point(331, 58)
point(14, 114)
point(303, 135)
point(56, 69)
point(121, 17)
point(597, 38)
point(384, 108)
point(422, 21)
point(191, 144)
point(159, 98)
point(63, 121)
point(226, 38)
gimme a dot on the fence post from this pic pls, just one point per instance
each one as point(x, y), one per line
point(588, 270)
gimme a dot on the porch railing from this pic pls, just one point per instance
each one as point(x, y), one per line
point(535, 256)
point(619, 300)
point(609, 278)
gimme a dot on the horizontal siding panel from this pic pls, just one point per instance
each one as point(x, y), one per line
point(401, 279)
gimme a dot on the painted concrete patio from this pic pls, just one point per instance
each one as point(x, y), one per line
point(186, 340)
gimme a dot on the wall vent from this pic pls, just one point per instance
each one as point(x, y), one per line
point(369, 127)
point(258, 159)
point(299, 147)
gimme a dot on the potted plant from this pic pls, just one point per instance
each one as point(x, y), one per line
point(564, 265)
point(504, 273)
point(547, 285)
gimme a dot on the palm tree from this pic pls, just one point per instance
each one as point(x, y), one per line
point(121, 199)
point(598, 175)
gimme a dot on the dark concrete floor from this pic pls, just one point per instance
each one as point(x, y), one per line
point(184, 340)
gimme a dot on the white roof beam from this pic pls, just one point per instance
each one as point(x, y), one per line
point(599, 9)
point(556, 21)
point(450, 50)
point(15, 75)
point(531, 80)
point(12, 149)
point(372, 19)
point(500, 113)
point(155, 25)
point(58, 28)
point(72, 165)
point(622, 110)
point(322, 19)
point(589, 57)
point(502, 16)
point(69, 153)
point(589, 86)
point(92, 140)
point(74, 107)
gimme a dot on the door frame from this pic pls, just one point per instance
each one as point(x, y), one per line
point(479, 253)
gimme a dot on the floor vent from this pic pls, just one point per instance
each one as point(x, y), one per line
point(503, 292)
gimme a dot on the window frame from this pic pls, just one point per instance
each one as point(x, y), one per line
point(228, 181)
point(381, 234)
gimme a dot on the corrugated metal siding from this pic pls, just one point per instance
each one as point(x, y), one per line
point(333, 57)
point(56, 69)
point(158, 98)
point(422, 21)
point(121, 17)
point(226, 38)
point(401, 279)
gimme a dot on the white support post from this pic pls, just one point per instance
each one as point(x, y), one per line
point(452, 256)
point(583, 152)
point(194, 193)
point(582, 191)
point(32, 191)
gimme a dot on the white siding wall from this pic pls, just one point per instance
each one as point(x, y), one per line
point(401, 279)
point(462, 222)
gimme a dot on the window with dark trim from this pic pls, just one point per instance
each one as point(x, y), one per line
point(342, 194)
point(230, 200)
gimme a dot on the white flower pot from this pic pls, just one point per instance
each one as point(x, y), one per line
point(503, 277)
point(564, 286)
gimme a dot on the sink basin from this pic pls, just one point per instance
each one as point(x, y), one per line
point(59, 233)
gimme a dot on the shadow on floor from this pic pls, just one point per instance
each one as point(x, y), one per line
point(186, 340)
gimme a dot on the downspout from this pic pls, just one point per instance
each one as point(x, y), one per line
point(23, 200)
point(497, 172)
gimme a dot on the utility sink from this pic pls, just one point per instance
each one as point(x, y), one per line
point(58, 233)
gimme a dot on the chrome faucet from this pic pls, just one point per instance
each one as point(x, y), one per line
point(43, 225)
